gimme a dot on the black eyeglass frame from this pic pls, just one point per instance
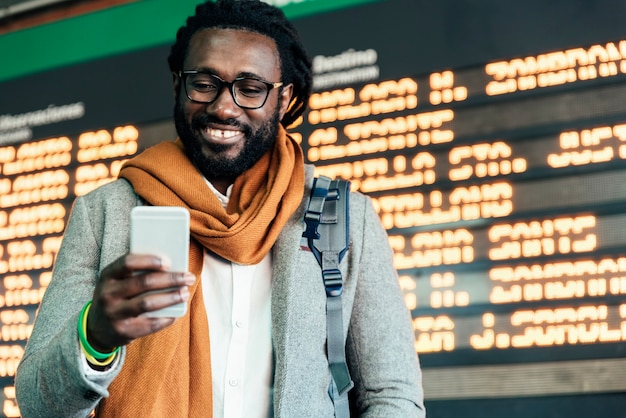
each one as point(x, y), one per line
point(229, 84)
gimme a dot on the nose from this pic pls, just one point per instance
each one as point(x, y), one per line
point(224, 105)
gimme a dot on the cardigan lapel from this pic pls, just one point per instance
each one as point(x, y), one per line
point(285, 299)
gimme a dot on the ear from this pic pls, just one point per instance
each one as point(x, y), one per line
point(285, 99)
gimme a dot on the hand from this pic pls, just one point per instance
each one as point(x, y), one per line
point(119, 300)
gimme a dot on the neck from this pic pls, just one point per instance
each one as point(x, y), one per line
point(221, 185)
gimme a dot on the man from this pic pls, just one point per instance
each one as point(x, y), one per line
point(253, 341)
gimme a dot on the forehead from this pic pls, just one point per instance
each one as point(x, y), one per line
point(232, 52)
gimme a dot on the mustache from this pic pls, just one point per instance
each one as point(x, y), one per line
point(204, 120)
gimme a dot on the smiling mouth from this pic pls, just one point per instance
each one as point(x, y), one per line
point(219, 133)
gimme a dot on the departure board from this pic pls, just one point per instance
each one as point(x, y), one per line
point(491, 140)
point(500, 178)
point(488, 201)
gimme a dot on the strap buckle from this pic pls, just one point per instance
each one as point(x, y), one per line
point(312, 220)
point(332, 282)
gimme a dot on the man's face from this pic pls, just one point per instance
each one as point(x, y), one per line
point(222, 139)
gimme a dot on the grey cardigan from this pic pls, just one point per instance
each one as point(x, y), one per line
point(381, 357)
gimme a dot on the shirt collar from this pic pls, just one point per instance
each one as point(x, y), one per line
point(222, 198)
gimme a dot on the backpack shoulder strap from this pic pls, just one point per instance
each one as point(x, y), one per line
point(327, 234)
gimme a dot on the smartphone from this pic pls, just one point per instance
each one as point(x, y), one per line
point(163, 231)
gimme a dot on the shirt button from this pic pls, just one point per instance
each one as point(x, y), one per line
point(239, 324)
point(233, 382)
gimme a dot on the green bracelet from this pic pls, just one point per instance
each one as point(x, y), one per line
point(82, 337)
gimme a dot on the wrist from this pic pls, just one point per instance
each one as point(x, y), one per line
point(94, 357)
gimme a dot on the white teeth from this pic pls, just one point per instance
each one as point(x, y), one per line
point(222, 134)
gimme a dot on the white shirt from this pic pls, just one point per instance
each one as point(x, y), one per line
point(237, 300)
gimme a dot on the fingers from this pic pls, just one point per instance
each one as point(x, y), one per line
point(121, 332)
point(115, 321)
point(134, 274)
point(146, 262)
point(126, 265)
point(142, 282)
point(144, 291)
point(154, 300)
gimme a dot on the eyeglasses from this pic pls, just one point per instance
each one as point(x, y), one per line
point(248, 93)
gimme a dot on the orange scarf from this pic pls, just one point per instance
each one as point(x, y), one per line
point(168, 374)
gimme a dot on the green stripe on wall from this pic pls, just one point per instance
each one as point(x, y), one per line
point(116, 30)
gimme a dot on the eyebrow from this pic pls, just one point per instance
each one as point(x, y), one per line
point(250, 75)
point(244, 74)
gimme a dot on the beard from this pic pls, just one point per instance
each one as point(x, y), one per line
point(218, 165)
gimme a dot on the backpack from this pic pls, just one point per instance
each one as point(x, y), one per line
point(327, 233)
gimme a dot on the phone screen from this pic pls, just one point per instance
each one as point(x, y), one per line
point(163, 231)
